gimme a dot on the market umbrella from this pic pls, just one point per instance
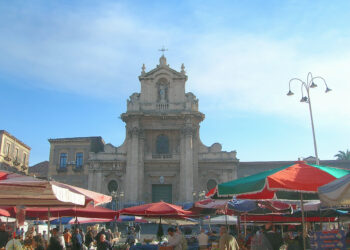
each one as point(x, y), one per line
point(158, 209)
point(258, 207)
point(89, 211)
point(23, 190)
point(85, 220)
point(282, 183)
point(221, 220)
point(4, 212)
point(298, 181)
point(284, 218)
point(336, 193)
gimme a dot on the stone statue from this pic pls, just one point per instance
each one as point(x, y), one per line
point(162, 93)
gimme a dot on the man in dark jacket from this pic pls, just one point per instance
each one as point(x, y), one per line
point(4, 236)
point(103, 243)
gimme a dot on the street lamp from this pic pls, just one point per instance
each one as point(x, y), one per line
point(306, 99)
point(115, 197)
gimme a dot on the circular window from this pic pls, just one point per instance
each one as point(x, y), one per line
point(112, 186)
point(211, 184)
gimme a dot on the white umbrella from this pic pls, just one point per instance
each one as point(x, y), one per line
point(22, 190)
point(336, 193)
point(221, 220)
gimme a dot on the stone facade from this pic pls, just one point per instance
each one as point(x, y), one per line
point(162, 150)
point(14, 154)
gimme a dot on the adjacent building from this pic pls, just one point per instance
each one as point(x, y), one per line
point(162, 157)
point(14, 154)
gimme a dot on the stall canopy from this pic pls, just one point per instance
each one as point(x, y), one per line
point(286, 182)
point(89, 211)
point(283, 219)
point(336, 193)
point(4, 212)
point(83, 220)
point(158, 209)
point(25, 190)
point(258, 207)
point(221, 220)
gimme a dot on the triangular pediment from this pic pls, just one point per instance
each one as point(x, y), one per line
point(163, 68)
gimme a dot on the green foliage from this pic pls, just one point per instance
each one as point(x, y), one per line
point(342, 155)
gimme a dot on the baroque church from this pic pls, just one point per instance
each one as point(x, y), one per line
point(162, 157)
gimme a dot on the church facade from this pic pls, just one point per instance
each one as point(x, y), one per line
point(162, 157)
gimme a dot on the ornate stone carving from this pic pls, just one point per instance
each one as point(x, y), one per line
point(188, 131)
point(135, 131)
point(183, 69)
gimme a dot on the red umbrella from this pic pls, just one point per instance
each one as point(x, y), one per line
point(87, 212)
point(25, 190)
point(4, 212)
point(158, 209)
point(280, 218)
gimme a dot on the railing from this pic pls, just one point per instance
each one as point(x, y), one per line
point(61, 169)
point(162, 106)
point(162, 156)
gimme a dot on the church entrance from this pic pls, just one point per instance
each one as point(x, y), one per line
point(162, 192)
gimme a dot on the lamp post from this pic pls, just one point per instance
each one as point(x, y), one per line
point(198, 195)
point(115, 198)
point(305, 86)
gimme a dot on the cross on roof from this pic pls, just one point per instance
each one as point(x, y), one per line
point(163, 50)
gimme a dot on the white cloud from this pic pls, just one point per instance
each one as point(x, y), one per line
point(99, 52)
point(252, 74)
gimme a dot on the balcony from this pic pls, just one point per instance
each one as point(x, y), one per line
point(162, 156)
point(61, 169)
point(162, 106)
point(77, 168)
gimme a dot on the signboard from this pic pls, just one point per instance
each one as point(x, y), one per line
point(328, 240)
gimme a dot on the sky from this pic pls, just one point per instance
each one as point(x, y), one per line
point(68, 67)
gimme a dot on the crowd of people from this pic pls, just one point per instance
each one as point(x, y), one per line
point(74, 239)
point(258, 238)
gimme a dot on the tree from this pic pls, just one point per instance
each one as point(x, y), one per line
point(342, 155)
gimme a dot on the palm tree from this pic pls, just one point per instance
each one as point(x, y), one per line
point(343, 155)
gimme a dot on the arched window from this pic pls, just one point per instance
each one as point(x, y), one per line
point(112, 186)
point(211, 184)
point(162, 144)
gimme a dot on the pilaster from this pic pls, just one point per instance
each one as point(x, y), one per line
point(132, 165)
point(186, 164)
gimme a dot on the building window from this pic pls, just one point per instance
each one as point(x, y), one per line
point(162, 144)
point(24, 158)
point(79, 160)
point(16, 157)
point(211, 184)
point(63, 160)
point(112, 186)
point(7, 152)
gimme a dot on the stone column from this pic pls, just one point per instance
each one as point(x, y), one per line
point(186, 164)
point(132, 163)
point(99, 182)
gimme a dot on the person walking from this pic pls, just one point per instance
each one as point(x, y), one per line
point(202, 240)
point(227, 241)
point(77, 240)
point(174, 239)
point(138, 231)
